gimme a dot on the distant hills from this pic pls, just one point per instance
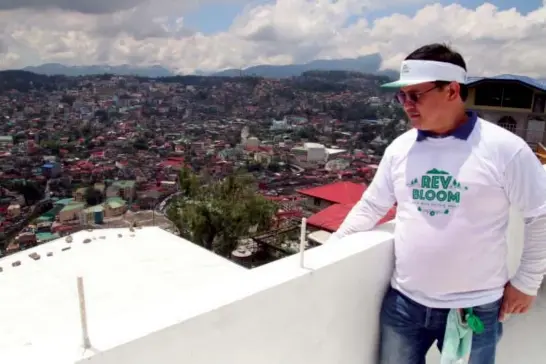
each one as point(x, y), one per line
point(24, 81)
point(51, 69)
point(369, 64)
point(366, 64)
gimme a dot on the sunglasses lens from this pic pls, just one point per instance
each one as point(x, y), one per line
point(403, 97)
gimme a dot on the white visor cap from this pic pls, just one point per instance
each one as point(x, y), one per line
point(414, 72)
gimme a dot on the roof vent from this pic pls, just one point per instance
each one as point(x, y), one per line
point(49, 254)
point(120, 236)
point(69, 239)
point(34, 256)
point(16, 263)
point(65, 248)
point(86, 241)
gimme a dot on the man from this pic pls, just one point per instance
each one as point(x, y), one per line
point(454, 177)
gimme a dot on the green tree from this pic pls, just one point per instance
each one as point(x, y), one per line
point(140, 144)
point(220, 213)
point(31, 191)
point(188, 183)
point(274, 167)
point(93, 196)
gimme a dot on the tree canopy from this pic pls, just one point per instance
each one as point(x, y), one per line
point(217, 214)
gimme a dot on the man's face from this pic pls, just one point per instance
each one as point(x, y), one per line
point(424, 104)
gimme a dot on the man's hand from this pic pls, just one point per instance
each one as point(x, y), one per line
point(514, 301)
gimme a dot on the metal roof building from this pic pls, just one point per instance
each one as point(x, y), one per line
point(535, 83)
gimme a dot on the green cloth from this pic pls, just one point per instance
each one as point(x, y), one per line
point(457, 340)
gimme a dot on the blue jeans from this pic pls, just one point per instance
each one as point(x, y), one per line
point(408, 330)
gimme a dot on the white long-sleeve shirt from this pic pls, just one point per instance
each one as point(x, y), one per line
point(453, 197)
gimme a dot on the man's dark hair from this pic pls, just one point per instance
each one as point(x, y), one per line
point(441, 53)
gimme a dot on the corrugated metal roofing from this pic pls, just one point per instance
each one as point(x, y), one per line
point(539, 84)
point(338, 192)
point(330, 218)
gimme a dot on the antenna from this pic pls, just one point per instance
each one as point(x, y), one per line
point(83, 315)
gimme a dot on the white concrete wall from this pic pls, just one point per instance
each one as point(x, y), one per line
point(280, 313)
point(323, 314)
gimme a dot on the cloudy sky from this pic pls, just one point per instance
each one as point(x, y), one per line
point(502, 36)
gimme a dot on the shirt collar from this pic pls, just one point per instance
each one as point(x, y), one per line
point(462, 132)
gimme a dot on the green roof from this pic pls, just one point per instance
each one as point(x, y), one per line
point(124, 184)
point(74, 206)
point(64, 201)
point(46, 236)
point(115, 202)
point(45, 218)
point(96, 208)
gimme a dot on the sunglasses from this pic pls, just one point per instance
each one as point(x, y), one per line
point(412, 96)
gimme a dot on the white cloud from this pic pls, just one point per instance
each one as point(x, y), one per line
point(153, 32)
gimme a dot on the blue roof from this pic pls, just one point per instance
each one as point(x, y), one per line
point(539, 84)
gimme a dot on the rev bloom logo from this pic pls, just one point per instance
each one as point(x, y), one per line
point(436, 192)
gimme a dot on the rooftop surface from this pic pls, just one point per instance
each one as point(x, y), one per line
point(340, 192)
point(344, 195)
point(134, 285)
point(330, 218)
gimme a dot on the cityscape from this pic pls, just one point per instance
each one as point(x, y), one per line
point(117, 151)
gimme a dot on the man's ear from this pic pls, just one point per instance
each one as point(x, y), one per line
point(454, 91)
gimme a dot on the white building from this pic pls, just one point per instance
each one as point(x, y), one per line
point(154, 298)
point(315, 153)
point(252, 142)
point(280, 125)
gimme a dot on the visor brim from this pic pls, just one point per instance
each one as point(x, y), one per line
point(404, 83)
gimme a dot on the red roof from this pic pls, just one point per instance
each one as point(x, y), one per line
point(176, 159)
point(331, 217)
point(339, 192)
point(171, 163)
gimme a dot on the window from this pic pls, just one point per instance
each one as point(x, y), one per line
point(511, 95)
point(517, 96)
point(488, 95)
point(539, 103)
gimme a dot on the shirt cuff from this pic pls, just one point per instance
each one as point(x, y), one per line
point(518, 283)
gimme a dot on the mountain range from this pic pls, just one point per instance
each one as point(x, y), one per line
point(52, 69)
point(366, 64)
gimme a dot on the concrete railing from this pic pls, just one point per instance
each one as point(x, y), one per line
point(326, 312)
